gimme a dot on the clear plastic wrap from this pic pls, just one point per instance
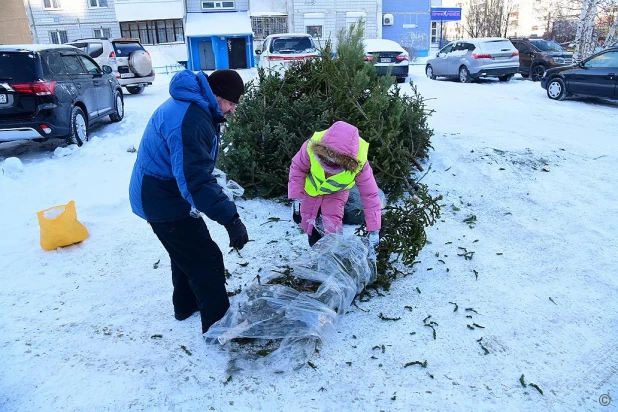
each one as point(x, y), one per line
point(230, 187)
point(276, 323)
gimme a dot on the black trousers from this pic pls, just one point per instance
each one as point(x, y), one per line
point(198, 274)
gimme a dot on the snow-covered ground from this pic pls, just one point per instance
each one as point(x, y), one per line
point(533, 274)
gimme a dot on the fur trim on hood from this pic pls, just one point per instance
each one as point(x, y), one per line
point(348, 163)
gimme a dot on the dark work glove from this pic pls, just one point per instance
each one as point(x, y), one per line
point(237, 232)
point(296, 211)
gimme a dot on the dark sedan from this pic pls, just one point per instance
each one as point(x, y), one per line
point(596, 76)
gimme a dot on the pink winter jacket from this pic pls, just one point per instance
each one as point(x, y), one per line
point(343, 138)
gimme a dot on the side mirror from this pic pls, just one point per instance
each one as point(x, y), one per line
point(258, 52)
point(107, 69)
point(581, 64)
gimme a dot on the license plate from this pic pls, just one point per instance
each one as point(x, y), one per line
point(125, 75)
point(3, 98)
point(501, 58)
point(385, 60)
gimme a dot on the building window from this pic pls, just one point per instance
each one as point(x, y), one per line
point(436, 34)
point(58, 37)
point(52, 4)
point(314, 31)
point(103, 32)
point(97, 3)
point(263, 26)
point(314, 24)
point(154, 31)
point(218, 5)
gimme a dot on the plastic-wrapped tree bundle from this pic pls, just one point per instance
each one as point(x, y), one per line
point(276, 323)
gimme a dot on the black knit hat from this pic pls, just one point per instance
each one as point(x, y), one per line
point(227, 84)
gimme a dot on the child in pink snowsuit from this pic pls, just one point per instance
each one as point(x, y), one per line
point(321, 175)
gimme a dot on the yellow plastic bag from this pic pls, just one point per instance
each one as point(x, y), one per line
point(60, 227)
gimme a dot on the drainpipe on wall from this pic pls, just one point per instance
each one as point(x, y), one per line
point(33, 31)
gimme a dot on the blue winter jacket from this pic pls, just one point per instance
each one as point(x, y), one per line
point(176, 157)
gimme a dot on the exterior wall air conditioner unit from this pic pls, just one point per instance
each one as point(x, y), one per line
point(388, 19)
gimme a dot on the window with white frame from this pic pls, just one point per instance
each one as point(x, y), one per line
point(264, 26)
point(154, 31)
point(103, 32)
point(218, 5)
point(52, 4)
point(314, 24)
point(58, 36)
point(352, 17)
point(97, 3)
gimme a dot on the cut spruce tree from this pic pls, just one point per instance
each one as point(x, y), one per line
point(280, 111)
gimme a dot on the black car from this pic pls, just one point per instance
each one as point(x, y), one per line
point(595, 76)
point(54, 91)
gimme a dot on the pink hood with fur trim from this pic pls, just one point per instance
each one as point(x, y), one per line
point(342, 138)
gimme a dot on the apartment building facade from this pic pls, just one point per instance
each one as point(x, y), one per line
point(214, 34)
point(60, 21)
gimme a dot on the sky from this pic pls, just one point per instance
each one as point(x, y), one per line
point(525, 250)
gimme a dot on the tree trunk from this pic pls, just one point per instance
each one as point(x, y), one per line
point(584, 41)
point(612, 35)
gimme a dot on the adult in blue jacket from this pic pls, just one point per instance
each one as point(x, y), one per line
point(172, 182)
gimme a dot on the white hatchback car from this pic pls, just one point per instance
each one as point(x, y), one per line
point(280, 51)
point(469, 59)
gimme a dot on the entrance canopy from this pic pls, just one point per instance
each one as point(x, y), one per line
point(223, 24)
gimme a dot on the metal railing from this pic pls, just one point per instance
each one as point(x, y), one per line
point(169, 68)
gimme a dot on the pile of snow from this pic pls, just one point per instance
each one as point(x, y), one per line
point(12, 167)
point(64, 151)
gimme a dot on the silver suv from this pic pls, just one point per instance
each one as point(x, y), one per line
point(470, 59)
point(130, 62)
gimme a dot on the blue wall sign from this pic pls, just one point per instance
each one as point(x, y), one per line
point(446, 13)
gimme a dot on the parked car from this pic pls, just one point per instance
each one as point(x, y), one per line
point(595, 76)
point(130, 62)
point(538, 55)
point(54, 91)
point(387, 56)
point(280, 51)
point(469, 59)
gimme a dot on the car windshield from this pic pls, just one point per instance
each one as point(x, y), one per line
point(17, 67)
point(291, 45)
point(546, 45)
point(124, 49)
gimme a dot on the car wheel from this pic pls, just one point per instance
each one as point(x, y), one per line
point(464, 75)
point(537, 72)
point(505, 78)
point(556, 89)
point(119, 103)
point(429, 72)
point(135, 89)
point(79, 127)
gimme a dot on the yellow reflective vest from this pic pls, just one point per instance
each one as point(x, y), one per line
point(316, 183)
